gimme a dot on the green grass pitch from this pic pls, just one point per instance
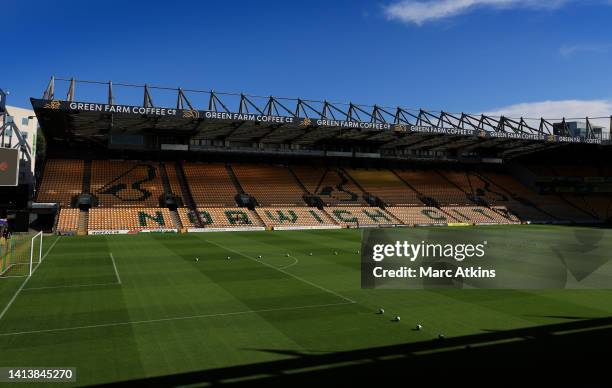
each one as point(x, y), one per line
point(129, 307)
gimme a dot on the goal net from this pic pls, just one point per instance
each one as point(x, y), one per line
point(20, 254)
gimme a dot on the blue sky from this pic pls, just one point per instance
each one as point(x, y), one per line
point(552, 56)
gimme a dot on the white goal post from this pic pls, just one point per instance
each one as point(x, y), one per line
point(20, 254)
point(35, 251)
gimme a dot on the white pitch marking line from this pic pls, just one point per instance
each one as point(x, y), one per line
point(172, 319)
point(10, 303)
point(71, 286)
point(115, 267)
point(295, 261)
point(285, 272)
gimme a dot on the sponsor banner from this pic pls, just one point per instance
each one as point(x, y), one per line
point(160, 230)
point(487, 258)
point(306, 227)
point(459, 224)
point(194, 114)
point(115, 231)
point(234, 229)
point(427, 225)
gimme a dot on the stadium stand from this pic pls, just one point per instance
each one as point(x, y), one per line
point(460, 179)
point(597, 204)
point(270, 185)
point(126, 183)
point(220, 218)
point(129, 192)
point(355, 216)
point(62, 180)
point(331, 185)
point(299, 217)
point(385, 185)
point(132, 219)
point(68, 221)
point(433, 185)
point(522, 197)
point(210, 184)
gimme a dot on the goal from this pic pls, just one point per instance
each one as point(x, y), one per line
point(20, 254)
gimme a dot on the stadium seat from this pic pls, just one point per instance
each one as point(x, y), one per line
point(68, 221)
point(460, 179)
point(544, 207)
point(132, 219)
point(220, 218)
point(126, 183)
point(387, 186)
point(210, 184)
point(270, 185)
point(433, 185)
point(62, 180)
point(295, 216)
point(331, 185)
point(358, 215)
point(420, 215)
point(478, 215)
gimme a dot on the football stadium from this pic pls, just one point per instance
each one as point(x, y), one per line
point(220, 242)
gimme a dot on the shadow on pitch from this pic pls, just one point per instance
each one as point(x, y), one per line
point(578, 349)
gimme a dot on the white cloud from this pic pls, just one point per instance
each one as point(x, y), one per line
point(556, 110)
point(598, 48)
point(422, 11)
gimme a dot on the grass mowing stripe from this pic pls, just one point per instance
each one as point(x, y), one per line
point(115, 267)
point(174, 319)
point(285, 272)
point(26, 280)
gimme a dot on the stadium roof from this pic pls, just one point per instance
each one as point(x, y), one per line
point(310, 124)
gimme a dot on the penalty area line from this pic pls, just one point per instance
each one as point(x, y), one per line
point(285, 272)
point(10, 303)
point(170, 319)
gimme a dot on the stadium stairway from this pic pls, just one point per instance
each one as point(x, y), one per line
point(454, 184)
point(421, 195)
point(258, 217)
point(186, 192)
point(164, 178)
point(297, 180)
point(234, 179)
point(176, 220)
point(86, 177)
point(345, 173)
point(83, 221)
